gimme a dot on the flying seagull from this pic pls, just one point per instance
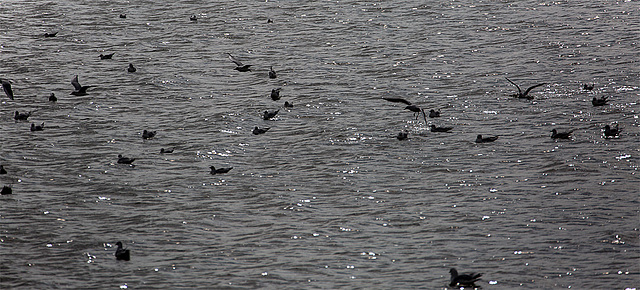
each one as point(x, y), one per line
point(239, 65)
point(80, 90)
point(413, 108)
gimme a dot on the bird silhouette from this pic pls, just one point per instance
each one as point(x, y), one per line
point(239, 65)
point(403, 135)
point(52, 34)
point(272, 73)
point(288, 105)
point(6, 87)
point(588, 87)
point(468, 280)
point(413, 108)
point(162, 150)
point(268, 115)
point(79, 90)
point(611, 132)
point(599, 102)
point(275, 94)
point(52, 98)
point(21, 116)
point(125, 160)
point(35, 127)
point(434, 114)
point(215, 171)
point(148, 134)
point(480, 139)
point(121, 253)
point(106, 56)
point(258, 131)
point(560, 135)
point(2, 170)
point(6, 190)
point(524, 95)
point(131, 68)
point(434, 128)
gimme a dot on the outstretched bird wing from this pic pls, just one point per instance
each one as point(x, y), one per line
point(6, 86)
point(532, 87)
point(234, 60)
point(397, 100)
point(519, 91)
point(76, 84)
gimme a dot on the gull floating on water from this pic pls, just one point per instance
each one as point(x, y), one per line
point(125, 160)
point(106, 56)
point(21, 116)
point(215, 171)
point(588, 87)
point(610, 132)
point(434, 114)
point(275, 94)
point(524, 95)
point(480, 139)
point(162, 150)
point(52, 98)
point(560, 135)
point(35, 127)
point(131, 68)
point(468, 280)
point(599, 102)
point(403, 135)
point(288, 105)
point(121, 253)
point(270, 114)
point(272, 73)
point(440, 129)
point(53, 34)
point(148, 134)
point(258, 131)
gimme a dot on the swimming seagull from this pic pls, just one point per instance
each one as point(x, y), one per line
point(125, 160)
point(524, 95)
point(288, 105)
point(193, 18)
point(440, 129)
point(52, 98)
point(403, 135)
point(53, 34)
point(560, 135)
point(599, 102)
point(609, 132)
point(6, 190)
point(6, 86)
point(122, 254)
point(275, 94)
point(106, 56)
point(35, 127)
point(148, 134)
point(123, 15)
point(468, 280)
point(272, 73)
point(239, 65)
point(215, 171)
point(80, 90)
point(2, 170)
point(268, 115)
point(131, 68)
point(22, 116)
point(588, 87)
point(162, 150)
point(258, 131)
point(434, 114)
point(479, 139)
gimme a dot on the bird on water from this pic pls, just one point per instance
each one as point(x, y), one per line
point(21, 116)
point(560, 135)
point(6, 190)
point(35, 127)
point(121, 253)
point(468, 280)
point(2, 170)
point(588, 87)
point(131, 68)
point(403, 135)
point(434, 128)
point(599, 102)
point(52, 98)
point(268, 115)
point(275, 94)
point(434, 114)
point(480, 139)
point(215, 170)
point(258, 131)
point(125, 160)
point(163, 151)
point(272, 73)
point(239, 65)
point(6, 87)
point(148, 134)
point(524, 95)
point(79, 90)
point(52, 34)
point(611, 132)
point(288, 105)
point(106, 56)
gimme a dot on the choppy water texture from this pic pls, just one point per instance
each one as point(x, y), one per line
point(327, 198)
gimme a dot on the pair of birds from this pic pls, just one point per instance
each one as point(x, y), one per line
point(21, 116)
point(148, 134)
point(241, 67)
point(35, 127)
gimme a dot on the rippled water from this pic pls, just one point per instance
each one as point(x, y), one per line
point(328, 198)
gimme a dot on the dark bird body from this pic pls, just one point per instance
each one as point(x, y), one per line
point(239, 65)
point(162, 150)
point(35, 127)
point(131, 68)
point(121, 253)
point(21, 116)
point(79, 90)
point(288, 105)
point(6, 190)
point(588, 87)
point(272, 73)
point(6, 87)
point(468, 280)
point(193, 18)
point(434, 114)
point(610, 132)
point(258, 131)
point(53, 34)
point(215, 171)
point(52, 98)
point(480, 139)
point(125, 160)
point(275, 94)
point(106, 56)
point(599, 102)
point(268, 115)
point(524, 95)
point(148, 134)
point(560, 135)
point(2, 170)
point(123, 15)
point(440, 129)
point(403, 135)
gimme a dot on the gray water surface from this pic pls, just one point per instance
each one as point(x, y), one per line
point(327, 198)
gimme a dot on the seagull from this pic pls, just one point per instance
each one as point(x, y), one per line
point(148, 134)
point(269, 20)
point(434, 114)
point(609, 132)
point(524, 95)
point(35, 127)
point(80, 90)
point(413, 108)
point(106, 56)
point(123, 15)
point(272, 73)
point(125, 160)
point(2, 170)
point(288, 105)
point(131, 68)
point(464, 279)
point(6, 190)
point(258, 131)
point(397, 100)
point(52, 98)
point(561, 135)
point(268, 115)
point(275, 94)
point(588, 87)
point(239, 65)
point(122, 254)
point(215, 171)
point(440, 129)
point(162, 150)
point(53, 34)
point(479, 139)
point(403, 135)
point(599, 102)
point(6, 86)
point(193, 18)
point(22, 116)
